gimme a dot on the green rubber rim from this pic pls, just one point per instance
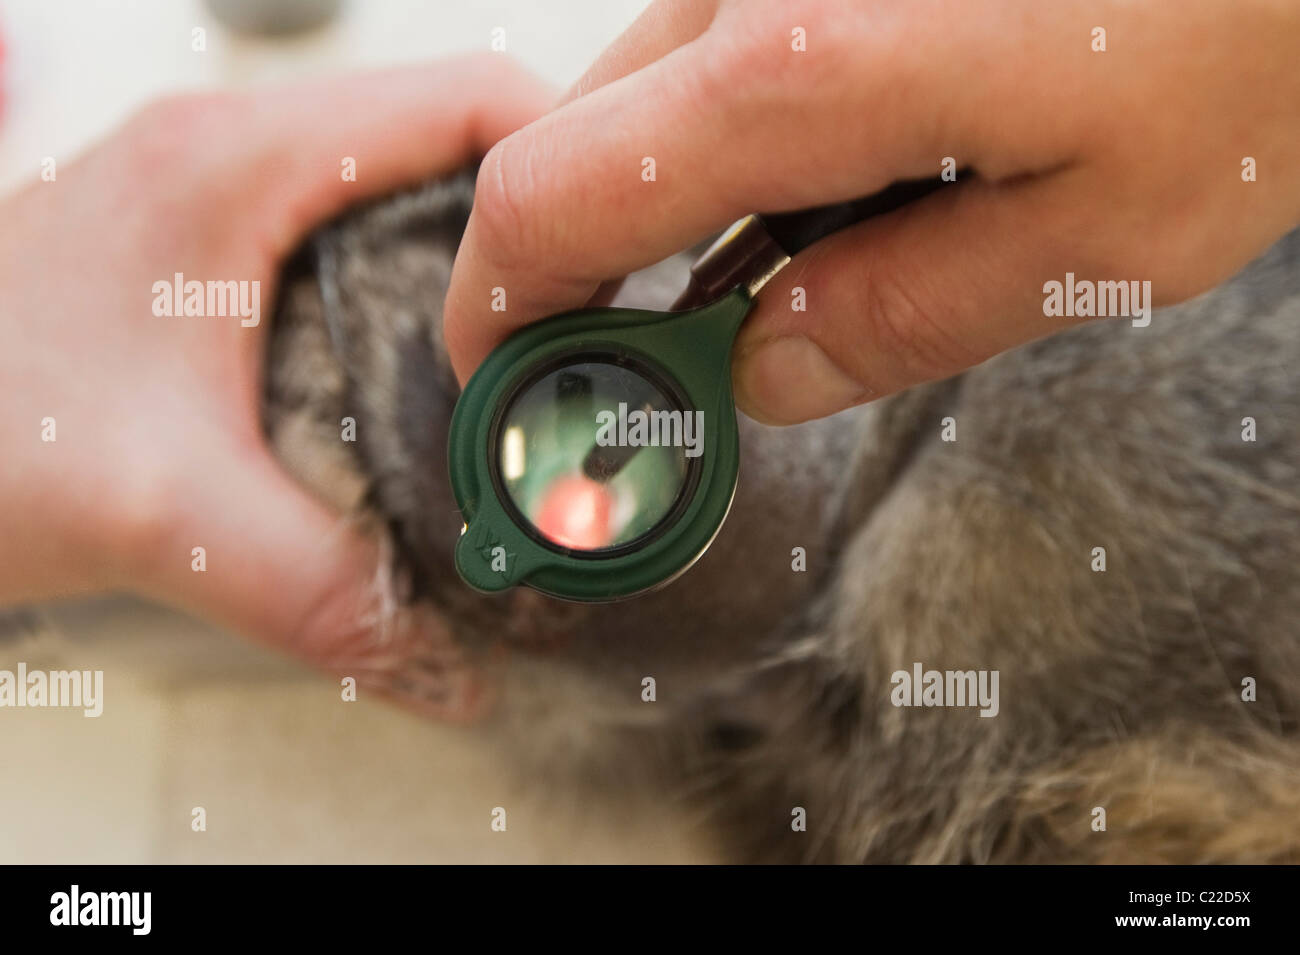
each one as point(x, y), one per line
point(693, 350)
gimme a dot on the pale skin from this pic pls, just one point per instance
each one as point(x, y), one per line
point(1118, 165)
point(158, 447)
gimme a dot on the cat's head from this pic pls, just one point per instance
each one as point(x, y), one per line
point(359, 399)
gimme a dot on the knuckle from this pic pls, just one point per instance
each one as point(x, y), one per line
point(481, 66)
point(479, 62)
point(505, 205)
point(175, 130)
point(142, 523)
point(204, 112)
point(747, 72)
point(761, 55)
point(917, 339)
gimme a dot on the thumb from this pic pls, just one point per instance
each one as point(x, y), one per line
point(915, 296)
point(254, 552)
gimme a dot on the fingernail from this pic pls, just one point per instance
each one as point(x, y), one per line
point(788, 380)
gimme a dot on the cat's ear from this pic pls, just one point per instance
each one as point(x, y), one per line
point(305, 398)
point(359, 390)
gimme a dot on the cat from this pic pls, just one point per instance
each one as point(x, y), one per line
point(1108, 518)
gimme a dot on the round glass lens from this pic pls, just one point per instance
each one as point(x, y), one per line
point(595, 455)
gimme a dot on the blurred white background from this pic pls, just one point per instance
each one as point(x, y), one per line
point(285, 771)
point(76, 68)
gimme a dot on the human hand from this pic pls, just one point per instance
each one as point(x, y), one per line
point(156, 443)
point(1118, 165)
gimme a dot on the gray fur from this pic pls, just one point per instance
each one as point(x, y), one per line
point(1119, 689)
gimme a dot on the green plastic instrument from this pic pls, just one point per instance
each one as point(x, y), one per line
point(594, 455)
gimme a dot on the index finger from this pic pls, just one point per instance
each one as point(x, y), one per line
point(653, 162)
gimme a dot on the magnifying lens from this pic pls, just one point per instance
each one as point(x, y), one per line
point(594, 454)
